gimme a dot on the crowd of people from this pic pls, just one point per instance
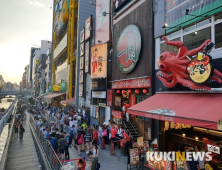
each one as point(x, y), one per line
point(83, 137)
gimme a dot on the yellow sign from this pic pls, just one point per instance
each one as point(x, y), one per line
point(56, 88)
point(37, 61)
point(200, 69)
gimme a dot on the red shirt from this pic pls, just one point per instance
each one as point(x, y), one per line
point(113, 133)
point(95, 135)
point(83, 165)
point(72, 114)
point(125, 135)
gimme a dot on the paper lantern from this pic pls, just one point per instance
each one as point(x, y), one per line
point(136, 91)
point(123, 91)
point(144, 90)
point(129, 91)
point(118, 91)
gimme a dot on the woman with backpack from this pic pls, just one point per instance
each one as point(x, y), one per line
point(79, 141)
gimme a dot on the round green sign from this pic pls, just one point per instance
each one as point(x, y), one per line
point(128, 49)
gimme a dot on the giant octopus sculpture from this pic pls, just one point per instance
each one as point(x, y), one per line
point(173, 67)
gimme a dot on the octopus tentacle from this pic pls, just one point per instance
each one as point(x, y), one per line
point(191, 85)
point(217, 79)
point(217, 73)
point(165, 75)
point(196, 50)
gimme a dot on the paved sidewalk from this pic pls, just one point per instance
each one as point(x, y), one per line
point(106, 161)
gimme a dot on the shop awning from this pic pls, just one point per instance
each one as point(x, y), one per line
point(196, 109)
point(53, 95)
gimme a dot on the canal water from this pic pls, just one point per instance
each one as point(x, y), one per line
point(4, 103)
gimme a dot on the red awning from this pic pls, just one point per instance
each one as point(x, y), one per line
point(54, 95)
point(196, 109)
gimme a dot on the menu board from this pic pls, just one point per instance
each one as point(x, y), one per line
point(159, 165)
point(140, 141)
point(134, 156)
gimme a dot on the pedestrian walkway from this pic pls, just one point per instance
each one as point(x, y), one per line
point(22, 153)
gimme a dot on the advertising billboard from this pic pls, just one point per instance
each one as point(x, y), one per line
point(176, 10)
point(102, 22)
point(88, 26)
point(99, 61)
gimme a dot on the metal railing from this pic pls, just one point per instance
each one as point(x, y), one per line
point(10, 136)
point(51, 155)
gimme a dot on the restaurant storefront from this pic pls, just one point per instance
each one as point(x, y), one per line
point(175, 111)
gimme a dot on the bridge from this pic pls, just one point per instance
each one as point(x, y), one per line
point(9, 93)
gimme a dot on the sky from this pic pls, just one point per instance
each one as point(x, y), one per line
point(23, 24)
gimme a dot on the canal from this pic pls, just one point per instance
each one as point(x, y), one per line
point(6, 102)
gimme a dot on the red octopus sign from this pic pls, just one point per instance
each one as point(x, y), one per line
point(179, 68)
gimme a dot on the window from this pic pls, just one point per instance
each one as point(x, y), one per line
point(205, 22)
point(218, 17)
point(140, 99)
point(189, 28)
point(218, 35)
point(197, 38)
point(165, 47)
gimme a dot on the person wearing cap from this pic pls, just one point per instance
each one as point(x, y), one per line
point(113, 132)
point(127, 139)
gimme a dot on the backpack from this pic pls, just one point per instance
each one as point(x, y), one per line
point(105, 132)
point(97, 166)
point(71, 134)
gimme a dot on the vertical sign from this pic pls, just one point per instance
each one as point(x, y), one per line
point(63, 86)
point(82, 49)
point(88, 27)
point(102, 22)
point(50, 88)
point(81, 62)
point(81, 90)
point(109, 97)
point(99, 61)
point(81, 76)
point(87, 57)
point(82, 35)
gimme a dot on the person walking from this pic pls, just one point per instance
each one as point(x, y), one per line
point(79, 141)
point(94, 161)
point(72, 134)
point(100, 134)
point(95, 138)
point(88, 139)
point(95, 150)
point(16, 129)
point(21, 131)
point(61, 144)
point(66, 137)
point(113, 135)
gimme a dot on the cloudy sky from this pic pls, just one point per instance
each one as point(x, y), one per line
point(23, 23)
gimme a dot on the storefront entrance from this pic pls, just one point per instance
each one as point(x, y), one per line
point(102, 111)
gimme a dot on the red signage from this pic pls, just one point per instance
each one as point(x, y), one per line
point(109, 97)
point(117, 113)
point(135, 83)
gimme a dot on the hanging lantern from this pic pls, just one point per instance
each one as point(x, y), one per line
point(136, 91)
point(144, 90)
point(129, 91)
point(118, 91)
point(123, 91)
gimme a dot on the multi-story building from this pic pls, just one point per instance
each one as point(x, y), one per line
point(30, 73)
point(37, 73)
point(2, 83)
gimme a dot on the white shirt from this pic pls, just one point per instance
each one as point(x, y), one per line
point(71, 123)
point(119, 132)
